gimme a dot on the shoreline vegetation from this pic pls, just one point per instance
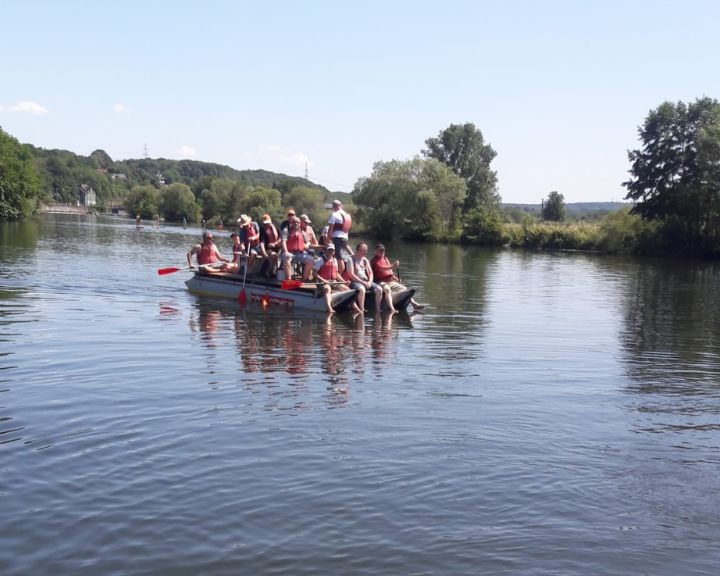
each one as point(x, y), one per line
point(447, 193)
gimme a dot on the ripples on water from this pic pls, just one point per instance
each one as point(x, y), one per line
point(550, 413)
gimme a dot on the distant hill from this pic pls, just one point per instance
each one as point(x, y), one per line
point(63, 172)
point(572, 208)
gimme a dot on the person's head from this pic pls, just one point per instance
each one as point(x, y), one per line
point(305, 220)
point(336, 204)
point(291, 213)
point(294, 222)
point(329, 251)
point(266, 219)
point(361, 249)
point(244, 220)
point(207, 238)
point(235, 238)
point(380, 250)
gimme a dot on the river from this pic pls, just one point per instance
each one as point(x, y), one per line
point(548, 413)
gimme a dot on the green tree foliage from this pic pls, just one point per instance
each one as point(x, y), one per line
point(554, 207)
point(19, 182)
point(305, 200)
point(463, 149)
point(142, 200)
point(675, 176)
point(483, 226)
point(411, 199)
point(177, 202)
point(102, 159)
point(258, 200)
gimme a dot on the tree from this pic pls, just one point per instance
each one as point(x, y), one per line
point(462, 148)
point(142, 200)
point(177, 202)
point(412, 199)
point(675, 176)
point(554, 207)
point(19, 183)
point(306, 200)
point(102, 159)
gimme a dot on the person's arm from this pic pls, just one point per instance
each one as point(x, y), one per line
point(220, 256)
point(190, 253)
point(368, 271)
point(283, 240)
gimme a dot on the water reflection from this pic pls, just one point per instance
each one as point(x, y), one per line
point(670, 343)
point(289, 351)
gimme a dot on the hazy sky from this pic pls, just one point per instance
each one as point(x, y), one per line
point(558, 88)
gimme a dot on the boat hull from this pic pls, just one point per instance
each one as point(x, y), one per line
point(266, 294)
point(401, 299)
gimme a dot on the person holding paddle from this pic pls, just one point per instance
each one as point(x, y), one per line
point(383, 271)
point(250, 239)
point(208, 257)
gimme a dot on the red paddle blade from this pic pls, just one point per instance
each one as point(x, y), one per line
point(242, 297)
point(170, 270)
point(290, 284)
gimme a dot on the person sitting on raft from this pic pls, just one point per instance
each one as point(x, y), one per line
point(383, 270)
point(359, 272)
point(328, 278)
point(294, 249)
point(308, 231)
point(208, 257)
point(238, 253)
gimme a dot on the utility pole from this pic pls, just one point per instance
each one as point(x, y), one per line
point(306, 172)
point(145, 152)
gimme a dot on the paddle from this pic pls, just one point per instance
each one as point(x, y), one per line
point(242, 297)
point(169, 270)
point(290, 284)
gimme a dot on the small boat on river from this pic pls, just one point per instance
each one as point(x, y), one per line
point(290, 294)
point(266, 292)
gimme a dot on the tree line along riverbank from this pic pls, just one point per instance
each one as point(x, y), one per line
point(448, 192)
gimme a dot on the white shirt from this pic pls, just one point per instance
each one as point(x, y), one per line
point(337, 218)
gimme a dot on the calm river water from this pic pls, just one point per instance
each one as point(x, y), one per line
point(548, 414)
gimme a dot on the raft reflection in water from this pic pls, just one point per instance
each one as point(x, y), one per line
point(285, 348)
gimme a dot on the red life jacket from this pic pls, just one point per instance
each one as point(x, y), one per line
point(206, 255)
point(346, 273)
point(329, 270)
point(295, 241)
point(381, 275)
point(346, 223)
point(252, 234)
point(271, 235)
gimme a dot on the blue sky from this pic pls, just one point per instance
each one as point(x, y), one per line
point(558, 88)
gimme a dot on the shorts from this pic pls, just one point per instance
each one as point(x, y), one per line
point(358, 285)
point(340, 247)
point(301, 257)
point(394, 286)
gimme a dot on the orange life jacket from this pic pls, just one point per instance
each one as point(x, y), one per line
point(206, 255)
point(346, 223)
point(295, 241)
point(329, 270)
point(271, 235)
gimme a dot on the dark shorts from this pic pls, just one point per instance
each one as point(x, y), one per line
point(340, 247)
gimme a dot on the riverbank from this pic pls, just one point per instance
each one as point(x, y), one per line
point(65, 209)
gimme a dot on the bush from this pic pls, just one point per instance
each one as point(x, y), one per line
point(483, 226)
point(552, 236)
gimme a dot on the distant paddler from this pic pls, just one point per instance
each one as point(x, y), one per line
point(208, 257)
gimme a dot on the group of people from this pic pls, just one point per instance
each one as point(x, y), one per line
point(327, 260)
